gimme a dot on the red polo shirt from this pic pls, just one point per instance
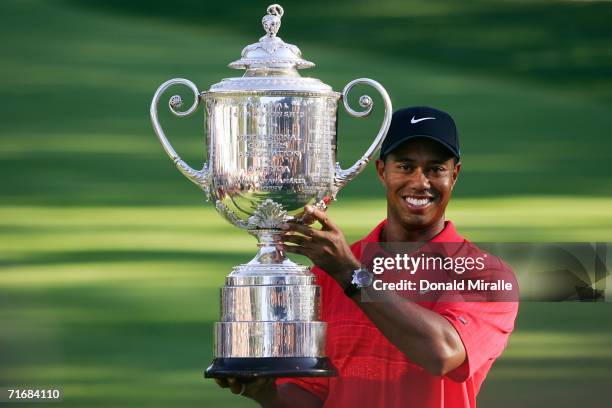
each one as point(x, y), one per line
point(374, 373)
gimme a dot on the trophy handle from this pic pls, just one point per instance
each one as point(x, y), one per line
point(342, 177)
point(202, 177)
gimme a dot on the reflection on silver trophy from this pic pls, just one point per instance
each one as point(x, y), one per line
point(271, 138)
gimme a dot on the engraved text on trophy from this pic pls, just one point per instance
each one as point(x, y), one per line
point(278, 144)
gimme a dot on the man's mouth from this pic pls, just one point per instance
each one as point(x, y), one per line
point(418, 202)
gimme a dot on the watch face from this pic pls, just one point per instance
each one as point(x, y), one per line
point(362, 278)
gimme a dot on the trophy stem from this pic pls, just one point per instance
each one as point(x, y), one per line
point(270, 249)
point(270, 318)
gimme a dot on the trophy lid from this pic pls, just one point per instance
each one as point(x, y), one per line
point(271, 51)
point(271, 63)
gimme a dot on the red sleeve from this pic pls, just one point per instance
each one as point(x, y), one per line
point(484, 328)
point(314, 385)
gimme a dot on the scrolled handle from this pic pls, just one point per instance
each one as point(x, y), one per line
point(202, 177)
point(342, 176)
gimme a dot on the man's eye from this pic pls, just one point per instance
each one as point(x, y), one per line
point(405, 166)
point(438, 169)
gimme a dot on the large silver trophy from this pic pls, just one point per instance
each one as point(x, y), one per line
point(271, 151)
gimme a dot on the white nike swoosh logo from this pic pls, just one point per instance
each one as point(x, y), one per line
point(413, 120)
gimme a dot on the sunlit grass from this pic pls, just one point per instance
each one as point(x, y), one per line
point(110, 263)
point(559, 345)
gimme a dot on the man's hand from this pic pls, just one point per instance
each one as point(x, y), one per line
point(262, 390)
point(265, 392)
point(327, 248)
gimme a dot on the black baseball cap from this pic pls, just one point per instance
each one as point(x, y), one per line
point(421, 121)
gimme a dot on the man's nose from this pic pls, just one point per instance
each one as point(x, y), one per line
point(418, 180)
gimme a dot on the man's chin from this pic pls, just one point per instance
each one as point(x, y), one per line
point(416, 221)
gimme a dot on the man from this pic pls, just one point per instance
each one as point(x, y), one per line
point(394, 354)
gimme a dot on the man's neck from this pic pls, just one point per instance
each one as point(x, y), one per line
point(394, 231)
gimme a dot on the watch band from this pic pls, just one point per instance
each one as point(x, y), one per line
point(351, 289)
point(357, 283)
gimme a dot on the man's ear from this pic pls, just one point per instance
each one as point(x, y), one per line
point(456, 170)
point(380, 170)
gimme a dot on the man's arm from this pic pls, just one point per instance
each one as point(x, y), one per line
point(270, 395)
point(424, 336)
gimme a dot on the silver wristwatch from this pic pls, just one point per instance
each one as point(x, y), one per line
point(362, 278)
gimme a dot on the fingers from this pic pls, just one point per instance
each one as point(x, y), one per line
point(235, 386)
point(262, 383)
point(222, 382)
point(308, 219)
point(302, 229)
point(247, 387)
point(311, 214)
point(320, 216)
point(295, 249)
point(296, 239)
point(259, 387)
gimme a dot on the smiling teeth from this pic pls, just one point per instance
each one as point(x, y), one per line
point(418, 202)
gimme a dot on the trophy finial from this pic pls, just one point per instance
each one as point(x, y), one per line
point(271, 22)
point(271, 52)
point(276, 10)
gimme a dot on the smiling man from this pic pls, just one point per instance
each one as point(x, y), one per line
point(394, 353)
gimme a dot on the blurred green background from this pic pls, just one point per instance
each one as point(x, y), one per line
point(110, 261)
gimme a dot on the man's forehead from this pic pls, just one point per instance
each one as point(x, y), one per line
point(421, 148)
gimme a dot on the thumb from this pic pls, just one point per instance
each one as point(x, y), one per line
point(321, 216)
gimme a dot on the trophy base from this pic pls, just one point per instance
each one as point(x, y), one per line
point(271, 367)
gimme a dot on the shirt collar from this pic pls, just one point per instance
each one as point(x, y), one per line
point(448, 234)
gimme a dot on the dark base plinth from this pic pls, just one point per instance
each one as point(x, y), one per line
point(271, 367)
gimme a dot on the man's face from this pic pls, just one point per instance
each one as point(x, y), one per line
point(419, 177)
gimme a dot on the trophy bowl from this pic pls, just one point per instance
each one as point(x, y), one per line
point(271, 143)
